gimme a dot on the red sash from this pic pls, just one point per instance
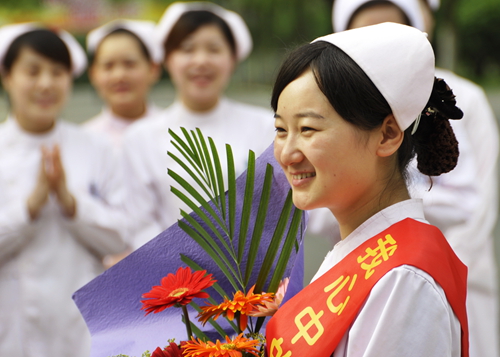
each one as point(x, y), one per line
point(332, 302)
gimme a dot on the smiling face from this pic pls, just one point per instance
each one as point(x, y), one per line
point(123, 75)
point(201, 67)
point(328, 161)
point(38, 88)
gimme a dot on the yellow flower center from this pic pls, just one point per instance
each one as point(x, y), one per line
point(229, 346)
point(178, 292)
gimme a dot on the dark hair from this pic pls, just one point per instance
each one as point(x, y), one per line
point(118, 31)
point(191, 21)
point(358, 101)
point(42, 41)
point(369, 4)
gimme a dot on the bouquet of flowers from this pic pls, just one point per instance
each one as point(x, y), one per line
point(179, 290)
point(247, 236)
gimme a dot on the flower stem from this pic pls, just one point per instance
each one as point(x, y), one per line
point(187, 322)
point(237, 316)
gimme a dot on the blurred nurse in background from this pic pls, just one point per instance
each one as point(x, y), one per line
point(59, 190)
point(125, 64)
point(203, 44)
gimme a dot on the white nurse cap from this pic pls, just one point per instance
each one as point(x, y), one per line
point(144, 30)
point(434, 4)
point(9, 33)
point(236, 24)
point(343, 10)
point(398, 59)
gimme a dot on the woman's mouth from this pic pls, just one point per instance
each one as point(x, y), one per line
point(121, 88)
point(301, 179)
point(46, 102)
point(201, 80)
point(303, 175)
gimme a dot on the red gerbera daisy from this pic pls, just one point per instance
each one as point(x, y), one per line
point(170, 351)
point(178, 290)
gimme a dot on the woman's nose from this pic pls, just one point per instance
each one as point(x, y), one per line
point(45, 79)
point(118, 71)
point(200, 57)
point(289, 151)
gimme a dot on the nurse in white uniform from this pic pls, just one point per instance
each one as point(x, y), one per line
point(203, 43)
point(462, 203)
point(125, 64)
point(352, 109)
point(59, 188)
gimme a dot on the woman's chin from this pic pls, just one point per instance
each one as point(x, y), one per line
point(302, 204)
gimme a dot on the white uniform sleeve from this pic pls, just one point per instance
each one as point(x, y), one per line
point(406, 314)
point(141, 199)
point(14, 227)
point(100, 219)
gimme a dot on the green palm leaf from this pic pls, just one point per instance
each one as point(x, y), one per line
point(259, 222)
point(247, 205)
point(217, 234)
point(274, 245)
point(231, 191)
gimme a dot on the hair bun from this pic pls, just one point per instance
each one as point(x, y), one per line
point(443, 100)
point(435, 143)
point(438, 151)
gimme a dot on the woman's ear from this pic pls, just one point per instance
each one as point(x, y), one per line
point(391, 137)
point(155, 72)
point(5, 78)
point(91, 74)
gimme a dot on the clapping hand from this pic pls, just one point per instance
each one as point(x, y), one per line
point(51, 179)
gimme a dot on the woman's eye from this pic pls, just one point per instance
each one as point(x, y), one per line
point(306, 128)
point(130, 64)
point(32, 71)
point(214, 49)
point(187, 48)
point(280, 130)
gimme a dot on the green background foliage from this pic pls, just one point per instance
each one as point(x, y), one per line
point(467, 31)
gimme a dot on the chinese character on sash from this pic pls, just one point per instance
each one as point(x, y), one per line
point(313, 323)
point(382, 252)
point(341, 282)
point(276, 350)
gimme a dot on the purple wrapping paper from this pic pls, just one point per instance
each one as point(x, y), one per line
point(110, 304)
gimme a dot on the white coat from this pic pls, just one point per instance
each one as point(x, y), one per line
point(406, 313)
point(43, 262)
point(151, 205)
point(113, 126)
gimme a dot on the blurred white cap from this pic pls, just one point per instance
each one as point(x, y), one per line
point(144, 30)
point(343, 10)
point(237, 25)
point(434, 4)
point(9, 33)
point(398, 59)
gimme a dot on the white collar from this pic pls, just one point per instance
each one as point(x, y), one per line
point(412, 208)
point(48, 137)
point(121, 122)
point(221, 104)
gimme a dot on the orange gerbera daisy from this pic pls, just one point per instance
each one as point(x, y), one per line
point(178, 290)
point(231, 348)
point(241, 303)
